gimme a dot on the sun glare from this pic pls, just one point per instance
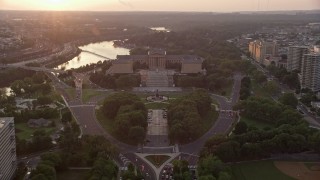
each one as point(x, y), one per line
point(55, 4)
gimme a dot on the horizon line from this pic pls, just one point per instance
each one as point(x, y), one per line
point(47, 10)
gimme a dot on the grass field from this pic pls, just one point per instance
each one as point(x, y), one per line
point(208, 121)
point(257, 124)
point(73, 175)
point(157, 160)
point(71, 93)
point(25, 132)
point(104, 121)
point(89, 93)
point(260, 170)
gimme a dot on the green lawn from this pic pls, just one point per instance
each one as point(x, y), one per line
point(208, 122)
point(260, 170)
point(25, 132)
point(157, 160)
point(89, 93)
point(73, 175)
point(156, 105)
point(104, 121)
point(71, 92)
point(257, 124)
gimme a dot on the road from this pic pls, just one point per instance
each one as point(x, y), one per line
point(145, 169)
point(309, 117)
point(86, 118)
point(224, 122)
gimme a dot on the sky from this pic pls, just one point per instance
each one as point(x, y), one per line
point(161, 5)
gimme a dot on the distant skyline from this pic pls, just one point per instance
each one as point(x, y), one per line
point(161, 5)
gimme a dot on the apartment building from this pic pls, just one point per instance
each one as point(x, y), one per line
point(8, 157)
point(310, 72)
point(259, 50)
point(295, 55)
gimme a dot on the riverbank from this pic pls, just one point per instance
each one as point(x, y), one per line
point(64, 59)
point(90, 53)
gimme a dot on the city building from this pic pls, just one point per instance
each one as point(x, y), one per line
point(8, 157)
point(310, 72)
point(295, 55)
point(157, 60)
point(259, 50)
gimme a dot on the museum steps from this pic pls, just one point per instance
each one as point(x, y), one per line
point(157, 80)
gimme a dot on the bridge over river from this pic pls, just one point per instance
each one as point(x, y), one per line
point(99, 55)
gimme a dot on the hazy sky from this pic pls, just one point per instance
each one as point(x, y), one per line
point(161, 5)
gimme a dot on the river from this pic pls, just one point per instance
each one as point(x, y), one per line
point(104, 48)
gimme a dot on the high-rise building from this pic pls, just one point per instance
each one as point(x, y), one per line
point(259, 50)
point(310, 72)
point(295, 55)
point(8, 157)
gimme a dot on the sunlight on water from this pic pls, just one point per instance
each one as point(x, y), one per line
point(105, 48)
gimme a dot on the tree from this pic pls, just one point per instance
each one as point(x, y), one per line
point(179, 168)
point(315, 141)
point(289, 99)
point(39, 177)
point(272, 87)
point(18, 87)
point(245, 90)
point(224, 176)
point(66, 117)
point(259, 77)
point(228, 151)
point(103, 169)
point(240, 128)
point(44, 170)
point(21, 170)
point(211, 166)
point(137, 134)
point(127, 81)
point(44, 100)
point(40, 141)
point(208, 177)
point(112, 103)
point(53, 159)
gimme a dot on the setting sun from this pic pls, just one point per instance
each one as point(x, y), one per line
point(55, 4)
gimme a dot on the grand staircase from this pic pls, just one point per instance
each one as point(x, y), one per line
point(158, 79)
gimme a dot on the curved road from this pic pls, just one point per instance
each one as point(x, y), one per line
point(86, 117)
point(224, 121)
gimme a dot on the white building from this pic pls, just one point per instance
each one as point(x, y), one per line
point(8, 157)
point(310, 72)
point(295, 55)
